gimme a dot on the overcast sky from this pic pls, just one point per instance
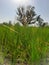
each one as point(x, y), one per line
point(8, 8)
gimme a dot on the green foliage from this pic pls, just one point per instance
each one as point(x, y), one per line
point(29, 44)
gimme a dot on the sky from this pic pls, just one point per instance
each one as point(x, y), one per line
point(8, 8)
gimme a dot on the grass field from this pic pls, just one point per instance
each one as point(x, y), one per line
point(28, 44)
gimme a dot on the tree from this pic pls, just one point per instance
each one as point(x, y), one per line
point(28, 16)
point(25, 16)
point(5, 23)
point(40, 21)
point(10, 23)
point(30, 13)
point(45, 24)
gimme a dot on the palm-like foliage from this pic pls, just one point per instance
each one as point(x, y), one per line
point(21, 15)
point(25, 16)
point(30, 13)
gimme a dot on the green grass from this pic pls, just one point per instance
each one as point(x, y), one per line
point(30, 43)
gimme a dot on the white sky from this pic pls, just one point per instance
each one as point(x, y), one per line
point(8, 8)
point(22, 2)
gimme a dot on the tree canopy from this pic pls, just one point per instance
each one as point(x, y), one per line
point(28, 16)
point(25, 16)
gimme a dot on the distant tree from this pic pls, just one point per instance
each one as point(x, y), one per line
point(25, 16)
point(17, 24)
point(45, 24)
point(10, 23)
point(28, 16)
point(40, 21)
point(5, 23)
